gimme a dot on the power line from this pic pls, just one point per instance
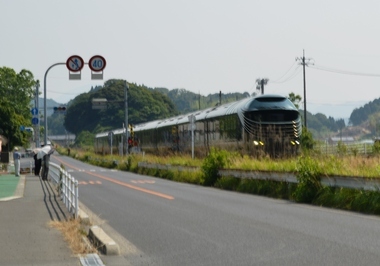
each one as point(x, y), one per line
point(344, 72)
point(278, 79)
point(293, 75)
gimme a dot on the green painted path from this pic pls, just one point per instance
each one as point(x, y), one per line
point(8, 185)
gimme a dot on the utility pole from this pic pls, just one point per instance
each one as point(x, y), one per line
point(304, 62)
point(37, 105)
point(260, 84)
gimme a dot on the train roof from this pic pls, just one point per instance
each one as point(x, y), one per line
point(262, 102)
point(114, 131)
point(270, 101)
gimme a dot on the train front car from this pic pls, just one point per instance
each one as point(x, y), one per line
point(272, 125)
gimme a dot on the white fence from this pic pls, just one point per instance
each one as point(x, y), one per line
point(68, 187)
point(344, 148)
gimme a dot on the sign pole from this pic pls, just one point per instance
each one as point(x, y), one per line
point(45, 112)
point(37, 105)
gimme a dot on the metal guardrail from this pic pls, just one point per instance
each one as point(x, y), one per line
point(68, 187)
point(333, 181)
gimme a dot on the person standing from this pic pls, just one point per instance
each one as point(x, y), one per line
point(37, 164)
point(16, 159)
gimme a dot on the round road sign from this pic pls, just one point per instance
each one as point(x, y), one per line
point(75, 63)
point(34, 111)
point(97, 63)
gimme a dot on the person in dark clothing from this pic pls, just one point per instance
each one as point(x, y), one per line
point(45, 164)
point(37, 165)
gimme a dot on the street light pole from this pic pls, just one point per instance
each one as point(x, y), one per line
point(126, 114)
point(37, 106)
point(45, 113)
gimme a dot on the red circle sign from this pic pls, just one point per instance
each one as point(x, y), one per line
point(97, 63)
point(75, 63)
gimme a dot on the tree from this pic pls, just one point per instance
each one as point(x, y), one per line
point(295, 99)
point(85, 139)
point(17, 90)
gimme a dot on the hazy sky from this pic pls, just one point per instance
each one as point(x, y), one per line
point(204, 46)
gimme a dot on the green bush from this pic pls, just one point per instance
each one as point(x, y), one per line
point(376, 147)
point(215, 160)
point(307, 141)
point(308, 176)
point(341, 148)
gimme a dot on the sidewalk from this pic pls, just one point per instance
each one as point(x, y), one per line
point(27, 205)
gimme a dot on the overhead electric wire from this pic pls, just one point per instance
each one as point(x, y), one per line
point(293, 75)
point(276, 80)
point(343, 71)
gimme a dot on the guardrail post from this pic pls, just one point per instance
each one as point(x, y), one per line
point(66, 199)
point(71, 186)
point(76, 199)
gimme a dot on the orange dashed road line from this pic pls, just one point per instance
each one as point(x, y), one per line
point(158, 194)
point(151, 192)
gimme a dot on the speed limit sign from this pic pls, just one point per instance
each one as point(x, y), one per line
point(97, 63)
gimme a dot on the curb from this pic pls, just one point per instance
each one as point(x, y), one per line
point(103, 242)
point(98, 237)
point(83, 217)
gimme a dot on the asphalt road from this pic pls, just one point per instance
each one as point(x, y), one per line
point(159, 222)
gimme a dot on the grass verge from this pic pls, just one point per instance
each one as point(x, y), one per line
point(75, 235)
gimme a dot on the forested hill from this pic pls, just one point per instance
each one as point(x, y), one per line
point(370, 111)
point(144, 105)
